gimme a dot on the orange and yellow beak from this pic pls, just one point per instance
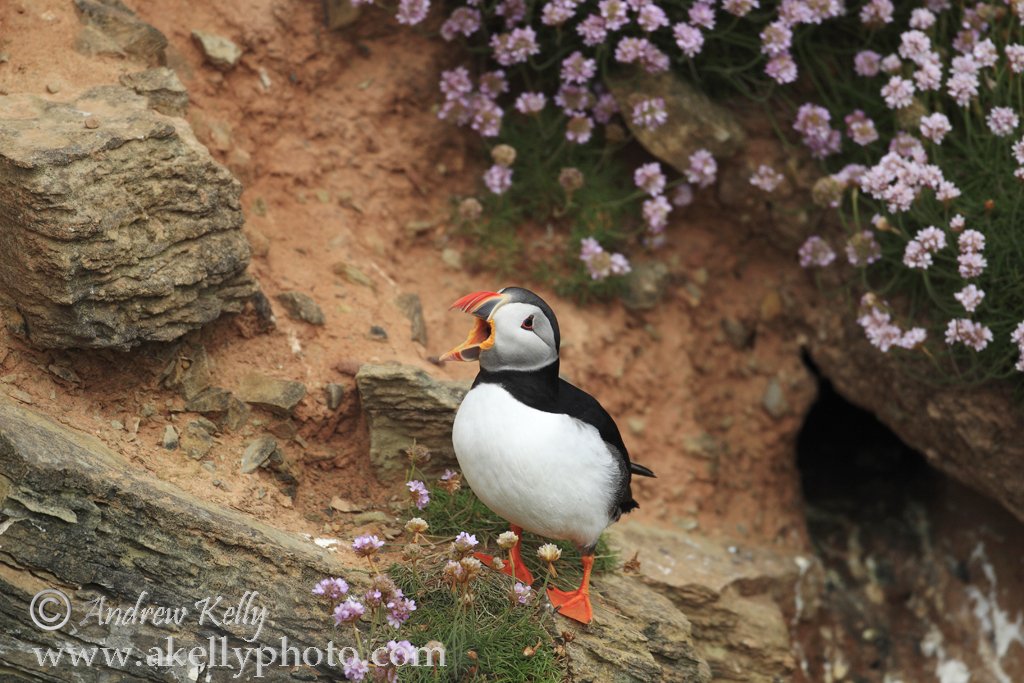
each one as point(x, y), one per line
point(481, 337)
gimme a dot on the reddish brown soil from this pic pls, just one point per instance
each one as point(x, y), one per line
point(338, 157)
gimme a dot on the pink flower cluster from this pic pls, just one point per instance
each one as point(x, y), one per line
point(881, 331)
point(814, 124)
point(599, 263)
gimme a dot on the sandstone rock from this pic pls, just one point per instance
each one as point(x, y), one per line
point(170, 440)
point(402, 403)
point(218, 50)
point(188, 372)
point(645, 286)
point(161, 88)
point(412, 307)
point(339, 13)
point(196, 440)
point(300, 306)
point(694, 121)
point(257, 454)
point(114, 236)
point(75, 512)
point(740, 600)
point(637, 635)
point(109, 27)
point(335, 394)
point(774, 400)
point(210, 400)
point(278, 395)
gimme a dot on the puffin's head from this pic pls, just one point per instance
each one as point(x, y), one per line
point(514, 330)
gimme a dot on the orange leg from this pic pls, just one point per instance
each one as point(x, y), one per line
point(522, 574)
point(575, 604)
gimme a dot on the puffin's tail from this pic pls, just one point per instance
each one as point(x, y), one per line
point(641, 470)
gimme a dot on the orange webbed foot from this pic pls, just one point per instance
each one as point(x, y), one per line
point(572, 604)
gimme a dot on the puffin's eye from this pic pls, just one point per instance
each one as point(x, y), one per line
point(528, 323)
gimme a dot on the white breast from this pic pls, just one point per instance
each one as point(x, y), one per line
point(546, 472)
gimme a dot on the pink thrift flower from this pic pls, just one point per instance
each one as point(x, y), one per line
point(650, 17)
point(876, 12)
point(766, 178)
point(740, 8)
point(592, 30)
point(650, 179)
point(702, 14)
point(891, 64)
point(1002, 121)
point(935, 127)
point(703, 168)
point(514, 47)
point(498, 179)
point(776, 38)
point(493, 83)
point(915, 255)
point(816, 253)
point(1018, 151)
point(689, 39)
point(557, 12)
point(615, 13)
point(530, 102)
point(1015, 58)
point(464, 21)
point(867, 63)
point(922, 19)
point(578, 69)
point(579, 129)
point(605, 108)
point(781, 69)
point(967, 332)
point(487, 117)
point(860, 128)
point(412, 12)
point(898, 92)
point(419, 492)
point(931, 238)
point(971, 242)
point(985, 53)
point(971, 265)
point(970, 297)
point(649, 113)
point(862, 249)
point(456, 83)
point(656, 211)
point(683, 196)
point(1017, 336)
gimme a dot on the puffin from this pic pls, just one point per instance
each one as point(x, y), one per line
point(539, 452)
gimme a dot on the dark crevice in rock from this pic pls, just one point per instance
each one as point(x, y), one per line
point(923, 575)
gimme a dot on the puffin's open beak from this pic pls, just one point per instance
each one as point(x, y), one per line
point(481, 337)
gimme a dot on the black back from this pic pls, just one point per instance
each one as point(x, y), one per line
point(544, 390)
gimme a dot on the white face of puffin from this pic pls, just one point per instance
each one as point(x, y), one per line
point(523, 339)
point(512, 331)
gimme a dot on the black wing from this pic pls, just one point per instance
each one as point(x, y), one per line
point(580, 405)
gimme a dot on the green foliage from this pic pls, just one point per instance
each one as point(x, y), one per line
point(493, 626)
point(448, 514)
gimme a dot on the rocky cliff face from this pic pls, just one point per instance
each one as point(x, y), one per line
point(116, 225)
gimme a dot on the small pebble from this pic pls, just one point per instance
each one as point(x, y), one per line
point(379, 333)
point(92, 122)
point(53, 88)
